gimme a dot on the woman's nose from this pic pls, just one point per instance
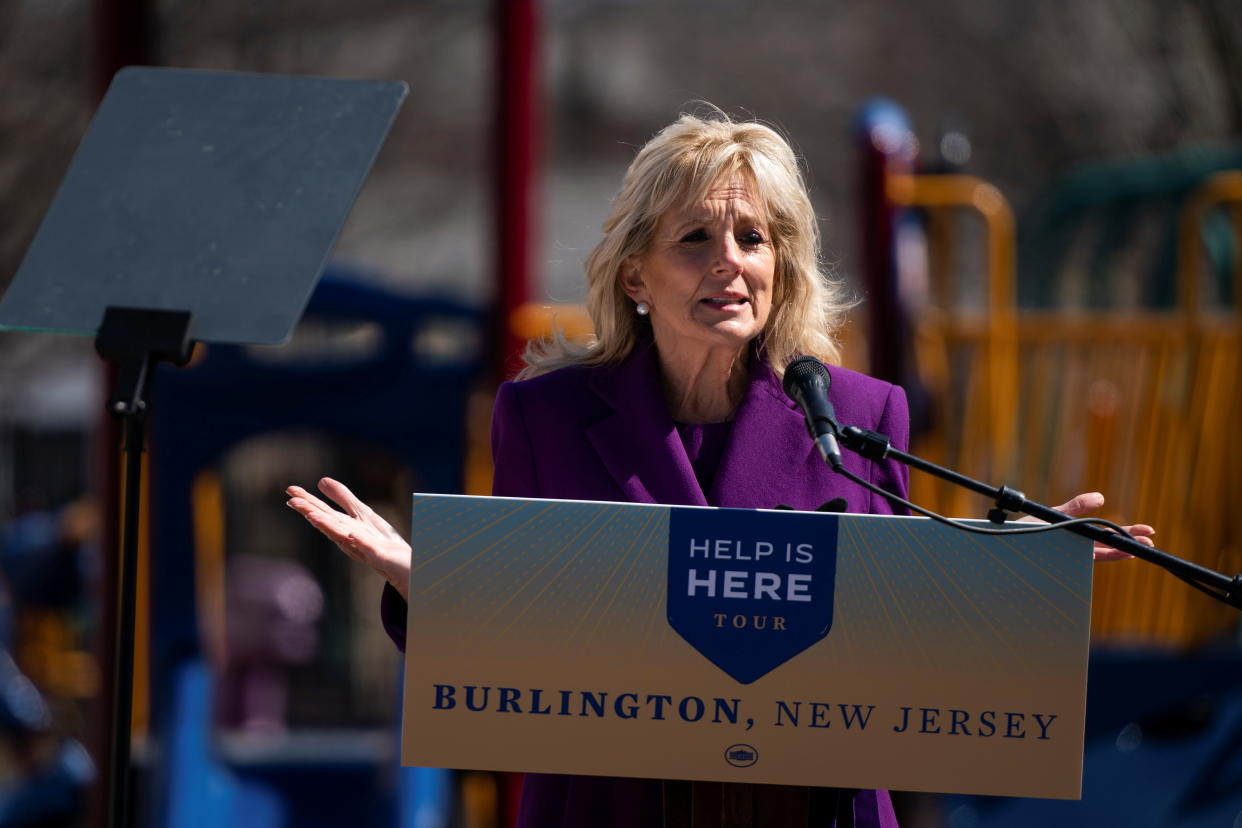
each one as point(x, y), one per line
point(728, 256)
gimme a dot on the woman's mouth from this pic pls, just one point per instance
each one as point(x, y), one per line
point(725, 302)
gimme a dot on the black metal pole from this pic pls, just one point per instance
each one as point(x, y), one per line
point(127, 597)
point(136, 339)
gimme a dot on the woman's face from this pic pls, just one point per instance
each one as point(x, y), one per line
point(708, 274)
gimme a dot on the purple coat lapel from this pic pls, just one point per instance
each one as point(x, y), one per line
point(638, 443)
point(768, 446)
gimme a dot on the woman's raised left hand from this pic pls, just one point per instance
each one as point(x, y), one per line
point(1083, 505)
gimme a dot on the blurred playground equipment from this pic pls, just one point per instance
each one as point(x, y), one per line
point(386, 373)
point(1120, 376)
point(43, 776)
point(1112, 365)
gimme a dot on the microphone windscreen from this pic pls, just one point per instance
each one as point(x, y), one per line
point(805, 372)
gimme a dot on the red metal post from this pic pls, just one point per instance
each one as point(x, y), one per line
point(120, 36)
point(886, 147)
point(517, 146)
point(516, 137)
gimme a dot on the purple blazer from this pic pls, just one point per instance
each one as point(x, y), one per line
point(604, 433)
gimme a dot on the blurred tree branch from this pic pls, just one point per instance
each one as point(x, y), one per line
point(1222, 27)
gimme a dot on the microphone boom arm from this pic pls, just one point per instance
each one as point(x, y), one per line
point(875, 446)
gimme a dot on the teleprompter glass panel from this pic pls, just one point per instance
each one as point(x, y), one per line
point(213, 192)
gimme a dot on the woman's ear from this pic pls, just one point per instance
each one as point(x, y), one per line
point(630, 277)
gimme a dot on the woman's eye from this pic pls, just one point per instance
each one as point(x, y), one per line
point(694, 236)
point(751, 238)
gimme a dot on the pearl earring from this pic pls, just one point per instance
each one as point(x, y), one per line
point(643, 308)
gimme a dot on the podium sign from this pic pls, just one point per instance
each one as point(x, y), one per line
point(739, 645)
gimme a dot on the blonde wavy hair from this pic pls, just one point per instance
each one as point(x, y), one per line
point(680, 165)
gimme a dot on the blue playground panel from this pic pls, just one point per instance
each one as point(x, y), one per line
point(1163, 749)
point(409, 401)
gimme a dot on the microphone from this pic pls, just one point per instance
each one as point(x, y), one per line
point(806, 383)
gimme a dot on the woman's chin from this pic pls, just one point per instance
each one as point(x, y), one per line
point(736, 331)
point(726, 336)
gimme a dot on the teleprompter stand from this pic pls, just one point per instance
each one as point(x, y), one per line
point(200, 206)
point(135, 339)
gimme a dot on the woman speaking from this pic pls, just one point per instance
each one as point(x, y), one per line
point(707, 283)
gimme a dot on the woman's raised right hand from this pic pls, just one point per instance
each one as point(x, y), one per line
point(358, 531)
